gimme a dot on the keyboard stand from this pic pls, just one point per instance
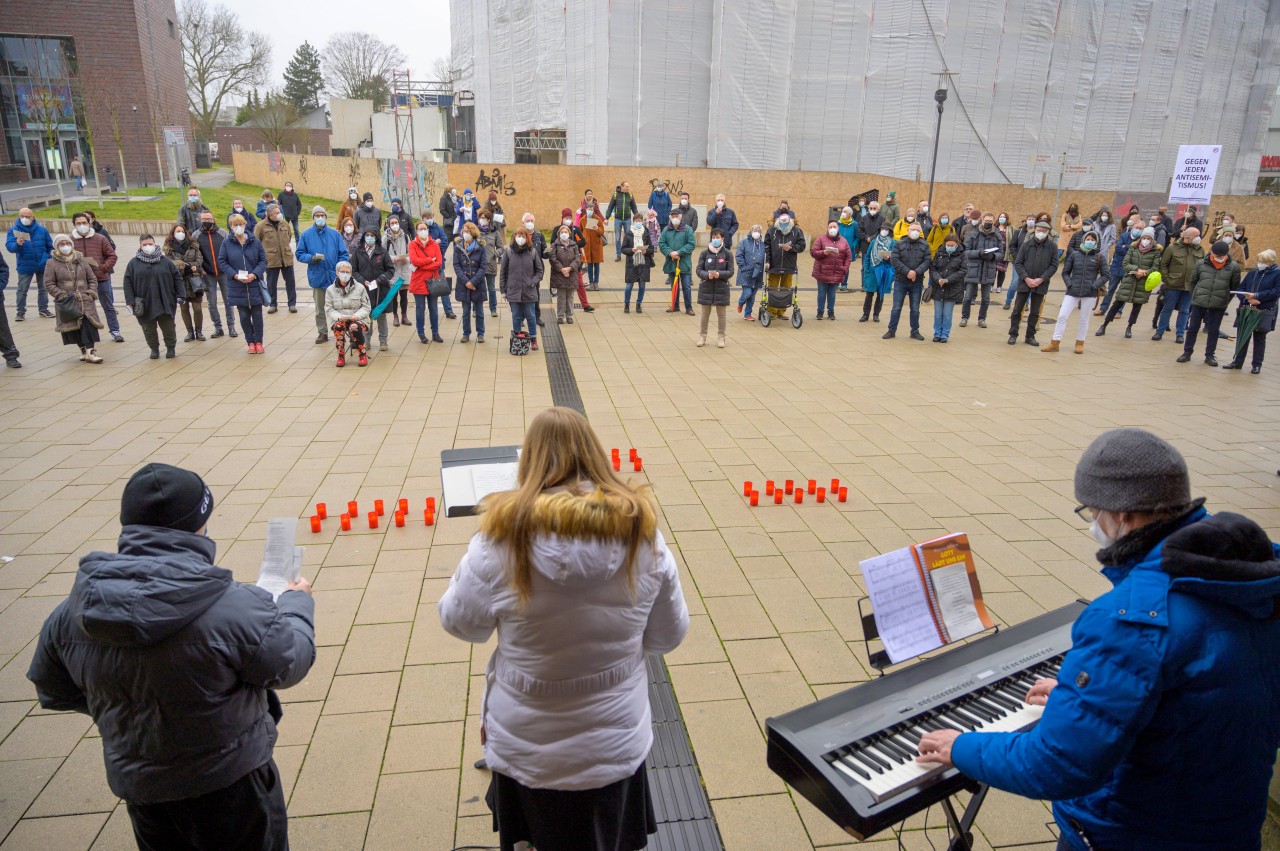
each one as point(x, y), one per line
point(962, 826)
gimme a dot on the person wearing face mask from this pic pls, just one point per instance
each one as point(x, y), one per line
point(890, 209)
point(1104, 225)
point(368, 216)
point(831, 259)
point(660, 203)
point(8, 349)
point(471, 263)
point(925, 220)
point(448, 207)
point(153, 289)
point(276, 237)
point(877, 271)
point(784, 209)
point(901, 226)
point(1212, 281)
point(439, 234)
point(579, 239)
point(938, 234)
point(1013, 243)
point(689, 214)
point(714, 271)
point(968, 219)
point(566, 267)
point(350, 235)
point(590, 222)
point(982, 247)
point(1125, 241)
point(1080, 276)
point(1262, 286)
point(1037, 262)
point(97, 248)
point(947, 272)
point(676, 244)
point(638, 247)
point(1070, 224)
point(371, 267)
point(321, 248)
point(1177, 261)
point(750, 261)
point(183, 252)
point(848, 230)
point(497, 216)
point(427, 259)
point(189, 213)
point(491, 239)
point(470, 294)
point(69, 275)
point(349, 206)
point(291, 208)
point(723, 217)
point(783, 244)
point(238, 209)
point(910, 261)
point(244, 266)
point(395, 242)
point(1142, 258)
point(1156, 223)
point(539, 244)
point(1174, 673)
point(31, 245)
point(521, 282)
point(401, 214)
point(1002, 265)
point(869, 223)
point(347, 309)
point(622, 209)
point(209, 239)
point(1189, 219)
point(468, 210)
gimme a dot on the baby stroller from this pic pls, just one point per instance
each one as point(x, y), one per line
point(777, 301)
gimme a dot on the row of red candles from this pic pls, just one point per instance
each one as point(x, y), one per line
point(637, 463)
point(379, 508)
point(789, 488)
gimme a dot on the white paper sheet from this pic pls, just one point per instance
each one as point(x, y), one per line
point(281, 560)
point(493, 478)
point(955, 601)
point(900, 604)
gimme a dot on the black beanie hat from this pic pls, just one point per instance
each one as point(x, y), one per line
point(1220, 248)
point(161, 495)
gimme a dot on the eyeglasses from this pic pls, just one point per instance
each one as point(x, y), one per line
point(1086, 513)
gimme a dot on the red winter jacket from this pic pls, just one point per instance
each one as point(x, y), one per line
point(830, 268)
point(426, 260)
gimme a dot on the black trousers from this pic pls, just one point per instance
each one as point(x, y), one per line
point(248, 815)
point(1259, 345)
point(165, 323)
point(1212, 322)
point(1036, 297)
point(290, 287)
point(7, 347)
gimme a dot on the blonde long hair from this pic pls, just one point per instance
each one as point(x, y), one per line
point(562, 450)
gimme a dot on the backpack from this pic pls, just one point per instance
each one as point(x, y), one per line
point(520, 343)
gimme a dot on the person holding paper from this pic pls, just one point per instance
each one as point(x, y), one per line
point(1161, 729)
point(176, 662)
point(572, 572)
point(347, 309)
point(245, 265)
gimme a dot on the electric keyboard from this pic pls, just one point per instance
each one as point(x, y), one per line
point(853, 754)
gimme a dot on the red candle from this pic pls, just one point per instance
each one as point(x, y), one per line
point(373, 520)
point(353, 508)
point(633, 455)
point(315, 523)
point(822, 494)
point(615, 452)
point(322, 510)
point(400, 519)
point(790, 486)
point(379, 507)
point(617, 464)
point(429, 517)
point(755, 500)
point(799, 495)
point(403, 506)
point(638, 465)
point(746, 488)
point(768, 487)
point(844, 494)
point(345, 522)
point(835, 487)
point(777, 496)
point(813, 486)
point(431, 504)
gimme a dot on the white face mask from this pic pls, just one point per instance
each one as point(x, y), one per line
point(520, 240)
point(831, 232)
point(148, 250)
point(64, 248)
point(344, 276)
point(238, 230)
point(1146, 242)
point(1041, 235)
point(1228, 237)
point(321, 221)
point(914, 234)
point(1100, 535)
point(1262, 266)
point(368, 205)
point(83, 230)
point(348, 230)
point(26, 221)
point(564, 237)
point(423, 234)
point(755, 234)
point(395, 226)
point(352, 196)
point(566, 221)
point(179, 235)
point(529, 225)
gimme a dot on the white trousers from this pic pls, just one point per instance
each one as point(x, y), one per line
point(1070, 303)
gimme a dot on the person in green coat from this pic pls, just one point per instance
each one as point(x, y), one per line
point(1142, 258)
point(1211, 282)
point(676, 244)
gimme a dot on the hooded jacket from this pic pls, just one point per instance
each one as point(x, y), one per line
point(1132, 289)
point(566, 693)
point(682, 241)
point(427, 261)
point(249, 257)
point(910, 255)
point(660, 203)
point(1080, 273)
point(750, 261)
point(327, 241)
point(978, 253)
point(520, 274)
point(783, 261)
point(715, 291)
point(949, 268)
point(173, 659)
point(35, 250)
point(73, 277)
point(367, 219)
point(373, 268)
point(1162, 730)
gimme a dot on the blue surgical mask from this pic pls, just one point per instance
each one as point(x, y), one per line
point(369, 240)
point(717, 243)
point(1089, 245)
point(951, 248)
point(1135, 232)
point(785, 226)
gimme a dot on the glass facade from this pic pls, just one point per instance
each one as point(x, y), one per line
point(37, 92)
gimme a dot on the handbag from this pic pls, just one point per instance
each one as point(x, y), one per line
point(69, 310)
point(927, 294)
point(438, 287)
point(520, 343)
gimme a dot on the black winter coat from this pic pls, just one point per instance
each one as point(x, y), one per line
point(290, 205)
point(714, 291)
point(637, 274)
point(910, 256)
point(173, 659)
point(375, 268)
point(1036, 259)
point(981, 260)
point(153, 289)
point(1080, 273)
point(782, 261)
point(949, 268)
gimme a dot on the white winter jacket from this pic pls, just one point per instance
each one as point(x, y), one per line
point(566, 696)
point(349, 302)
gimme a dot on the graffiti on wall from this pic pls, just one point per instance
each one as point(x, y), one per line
point(673, 187)
point(497, 181)
point(410, 181)
point(302, 170)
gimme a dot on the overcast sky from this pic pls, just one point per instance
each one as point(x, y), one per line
point(419, 29)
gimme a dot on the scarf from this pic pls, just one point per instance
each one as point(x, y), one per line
point(846, 220)
point(637, 240)
point(1218, 262)
point(880, 243)
point(150, 258)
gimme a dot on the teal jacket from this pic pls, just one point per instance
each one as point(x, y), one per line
point(681, 240)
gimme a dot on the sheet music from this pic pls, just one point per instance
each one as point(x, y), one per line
point(492, 478)
point(955, 601)
point(900, 605)
point(281, 559)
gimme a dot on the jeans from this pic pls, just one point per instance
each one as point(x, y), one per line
point(1036, 298)
point(522, 315)
point(1212, 322)
point(469, 307)
point(685, 288)
point(618, 227)
point(1069, 303)
point(942, 311)
point(213, 284)
point(293, 223)
point(1178, 300)
point(826, 297)
point(7, 347)
point(1116, 278)
point(290, 285)
point(970, 293)
point(626, 295)
point(107, 299)
point(420, 305)
point(748, 299)
point(1013, 286)
point(250, 813)
point(79, 182)
point(901, 290)
point(42, 295)
point(492, 281)
point(250, 321)
point(317, 298)
point(593, 274)
point(167, 329)
point(448, 305)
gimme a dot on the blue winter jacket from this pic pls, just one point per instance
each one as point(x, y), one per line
point(660, 203)
point(469, 264)
point(328, 242)
point(437, 233)
point(1163, 729)
point(250, 257)
point(849, 232)
point(1265, 285)
point(1122, 248)
point(750, 262)
point(34, 253)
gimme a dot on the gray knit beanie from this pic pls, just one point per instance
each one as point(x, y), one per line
point(1128, 469)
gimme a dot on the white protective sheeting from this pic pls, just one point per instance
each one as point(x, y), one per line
point(848, 86)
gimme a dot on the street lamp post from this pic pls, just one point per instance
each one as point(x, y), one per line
point(941, 97)
point(137, 132)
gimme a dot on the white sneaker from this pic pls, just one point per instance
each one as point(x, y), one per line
point(720, 343)
point(702, 341)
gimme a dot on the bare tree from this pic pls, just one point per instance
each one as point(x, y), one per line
point(449, 69)
point(276, 120)
point(101, 92)
point(359, 65)
point(49, 103)
point(220, 57)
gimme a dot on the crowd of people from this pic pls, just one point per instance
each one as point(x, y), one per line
point(906, 257)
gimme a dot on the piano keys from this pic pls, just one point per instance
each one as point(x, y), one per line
point(853, 754)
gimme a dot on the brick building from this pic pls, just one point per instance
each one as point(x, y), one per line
point(115, 63)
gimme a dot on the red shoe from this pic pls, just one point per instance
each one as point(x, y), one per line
point(535, 345)
point(739, 307)
point(364, 359)
point(252, 349)
point(259, 348)
point(342, 360)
